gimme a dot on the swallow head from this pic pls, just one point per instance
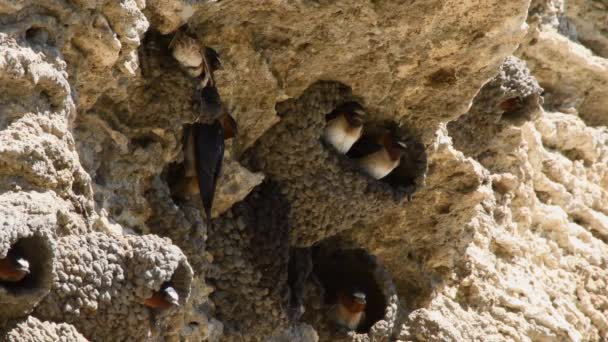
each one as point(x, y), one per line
point(355, 117)
point(170, 295)
point(186, 50)
point(353, 112)
point(394, 146)
point(359, 297)
point(22, 265)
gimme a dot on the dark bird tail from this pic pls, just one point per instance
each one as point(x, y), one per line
point(209, 152)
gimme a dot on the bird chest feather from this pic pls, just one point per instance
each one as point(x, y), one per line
point(379, 164)
point(340, 134)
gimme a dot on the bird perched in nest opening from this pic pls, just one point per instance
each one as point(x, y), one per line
point(349, 311)
point(13, 268)
point(344, 126)
point(164, 298)
point(378, 155)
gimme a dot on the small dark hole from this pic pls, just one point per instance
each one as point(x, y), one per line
point(143, 142)
point(342, 269)
point(37, 35)
point(34, 250)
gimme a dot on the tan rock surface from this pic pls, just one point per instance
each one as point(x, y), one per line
point(504, 240)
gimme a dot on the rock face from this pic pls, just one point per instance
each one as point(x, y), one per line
point(501, 104)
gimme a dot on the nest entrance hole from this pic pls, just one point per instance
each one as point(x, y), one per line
point(36, 250)
point(340, 269)
point(412, 164)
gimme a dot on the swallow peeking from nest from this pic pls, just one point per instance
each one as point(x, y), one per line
point(349, 311)
point(14, 267)
point(163, 299)
point(378, 155)
point(344, 126)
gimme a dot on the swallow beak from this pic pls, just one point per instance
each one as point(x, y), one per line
point(171, 296)
point(23, 265)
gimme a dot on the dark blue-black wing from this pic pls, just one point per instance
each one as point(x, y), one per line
point(209, 152)
point(213, 59)
point(211, 105)
point(364, 146)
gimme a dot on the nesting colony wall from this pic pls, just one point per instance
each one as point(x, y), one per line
point(502, 105)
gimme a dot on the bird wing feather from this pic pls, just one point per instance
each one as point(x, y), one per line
point(209, 153)
point(213, 59)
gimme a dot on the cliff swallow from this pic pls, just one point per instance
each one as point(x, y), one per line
point(13, 268)
point(378, 156)
point(203, 156)
point(344, 126)
point(208, 143)
point(349, 311)
point(164, 298)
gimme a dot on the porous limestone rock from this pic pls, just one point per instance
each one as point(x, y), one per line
point(102, 282)
point(34, 330)
point(505, 238)
point(29, 222)
point(249, 249)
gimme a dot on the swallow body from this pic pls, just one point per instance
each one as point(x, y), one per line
point(378, 156)
point(344, 126)
point(164, 298)
point(203, 156)
point(13, 268)
point(349, 311)
point(208, 142)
